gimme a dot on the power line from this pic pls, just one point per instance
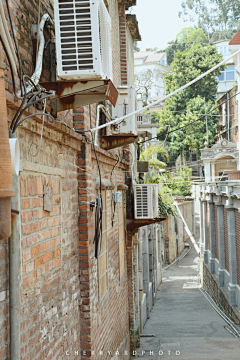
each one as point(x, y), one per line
point(192, 122)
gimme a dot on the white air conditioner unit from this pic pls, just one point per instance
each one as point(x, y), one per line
point(126, 103)
point(83, 39)
point(146, 201)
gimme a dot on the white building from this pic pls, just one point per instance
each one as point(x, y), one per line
point(150, 68)
point(227, 79)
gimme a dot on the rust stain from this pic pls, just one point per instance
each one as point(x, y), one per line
point(59, 86)
point(67, 99)
point(114, 141)
point(112, 93)
point(133, 225)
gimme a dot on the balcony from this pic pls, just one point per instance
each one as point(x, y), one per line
point(144, 119)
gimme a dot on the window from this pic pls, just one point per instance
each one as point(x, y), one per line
point(225, 50)
point(227, 75)
point(103, 258)
point(121, 237)
point(230, 73)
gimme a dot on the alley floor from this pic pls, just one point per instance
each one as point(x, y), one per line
point(183, 322)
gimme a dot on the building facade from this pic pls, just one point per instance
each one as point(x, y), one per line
point(65, 298)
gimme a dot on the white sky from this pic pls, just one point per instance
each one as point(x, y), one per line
point(158, 22)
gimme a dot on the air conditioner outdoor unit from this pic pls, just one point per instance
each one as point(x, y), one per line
point(83, 39)
point(126, 104)
point(146, 201)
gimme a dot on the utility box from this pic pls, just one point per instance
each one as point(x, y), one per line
point(118, 197)
point(142, 166)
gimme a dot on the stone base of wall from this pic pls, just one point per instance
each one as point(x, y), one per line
point(219, 295)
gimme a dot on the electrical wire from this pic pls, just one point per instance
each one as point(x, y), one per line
point(16, 45)
point(10, 65)
point(98, 213)
point(192, 122)
point(30, 102)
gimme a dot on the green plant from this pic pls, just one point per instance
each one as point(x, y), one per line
point(165, 203)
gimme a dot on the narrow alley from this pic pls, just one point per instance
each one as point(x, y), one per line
point(184, 324)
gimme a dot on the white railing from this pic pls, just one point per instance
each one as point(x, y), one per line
point(143, 119)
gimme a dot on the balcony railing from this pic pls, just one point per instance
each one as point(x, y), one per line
point(143, 119)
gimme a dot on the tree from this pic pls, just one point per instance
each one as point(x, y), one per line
point(146, 80)
point(180, 109)
point(218, 18)
point(184, 40)
point(148, 155)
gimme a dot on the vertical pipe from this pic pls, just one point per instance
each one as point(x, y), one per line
point(228, 123)
point(14, 275)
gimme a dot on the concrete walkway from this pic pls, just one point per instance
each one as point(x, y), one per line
point(183, 322)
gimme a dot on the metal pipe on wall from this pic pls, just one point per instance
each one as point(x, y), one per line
point(228, 122)
point(5, 166)
point(14, 274)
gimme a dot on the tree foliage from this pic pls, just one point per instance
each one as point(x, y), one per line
point(218, 18)
point(148, 155)
point(184, 40)
point(185, 106)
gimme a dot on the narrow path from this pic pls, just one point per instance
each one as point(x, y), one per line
point(183, 322)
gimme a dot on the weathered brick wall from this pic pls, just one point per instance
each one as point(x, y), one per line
point(60, 309)
point(123, 41)
point(50, 291)
point(104, 324)
point(216, 231)
point(219, 295)
point(226, 240)
point(237, 228)
point(24, 14)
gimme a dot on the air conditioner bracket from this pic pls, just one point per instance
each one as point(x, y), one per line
point(116, 140)
point(72, 94)
point(134, 225)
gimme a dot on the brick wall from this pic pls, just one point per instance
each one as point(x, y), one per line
point(50, 292)
point(226, 241)
point(104, 324)
point(216, 231)
point(237, 226)
point(60, 307)
point(123, 42)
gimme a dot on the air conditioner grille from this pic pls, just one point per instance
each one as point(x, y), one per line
point(75, 35)
point(105, 38)
point(142, 201)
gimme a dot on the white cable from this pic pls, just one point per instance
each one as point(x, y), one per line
point(38, 70)
point(97, 123)
point(167, 96)
point(7, 46)
point(8, 36)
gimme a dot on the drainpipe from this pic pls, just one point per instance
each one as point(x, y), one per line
point(15, 274)
point(6, 191)
point(228, 122)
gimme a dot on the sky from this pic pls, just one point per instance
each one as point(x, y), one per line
point(158, 22)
